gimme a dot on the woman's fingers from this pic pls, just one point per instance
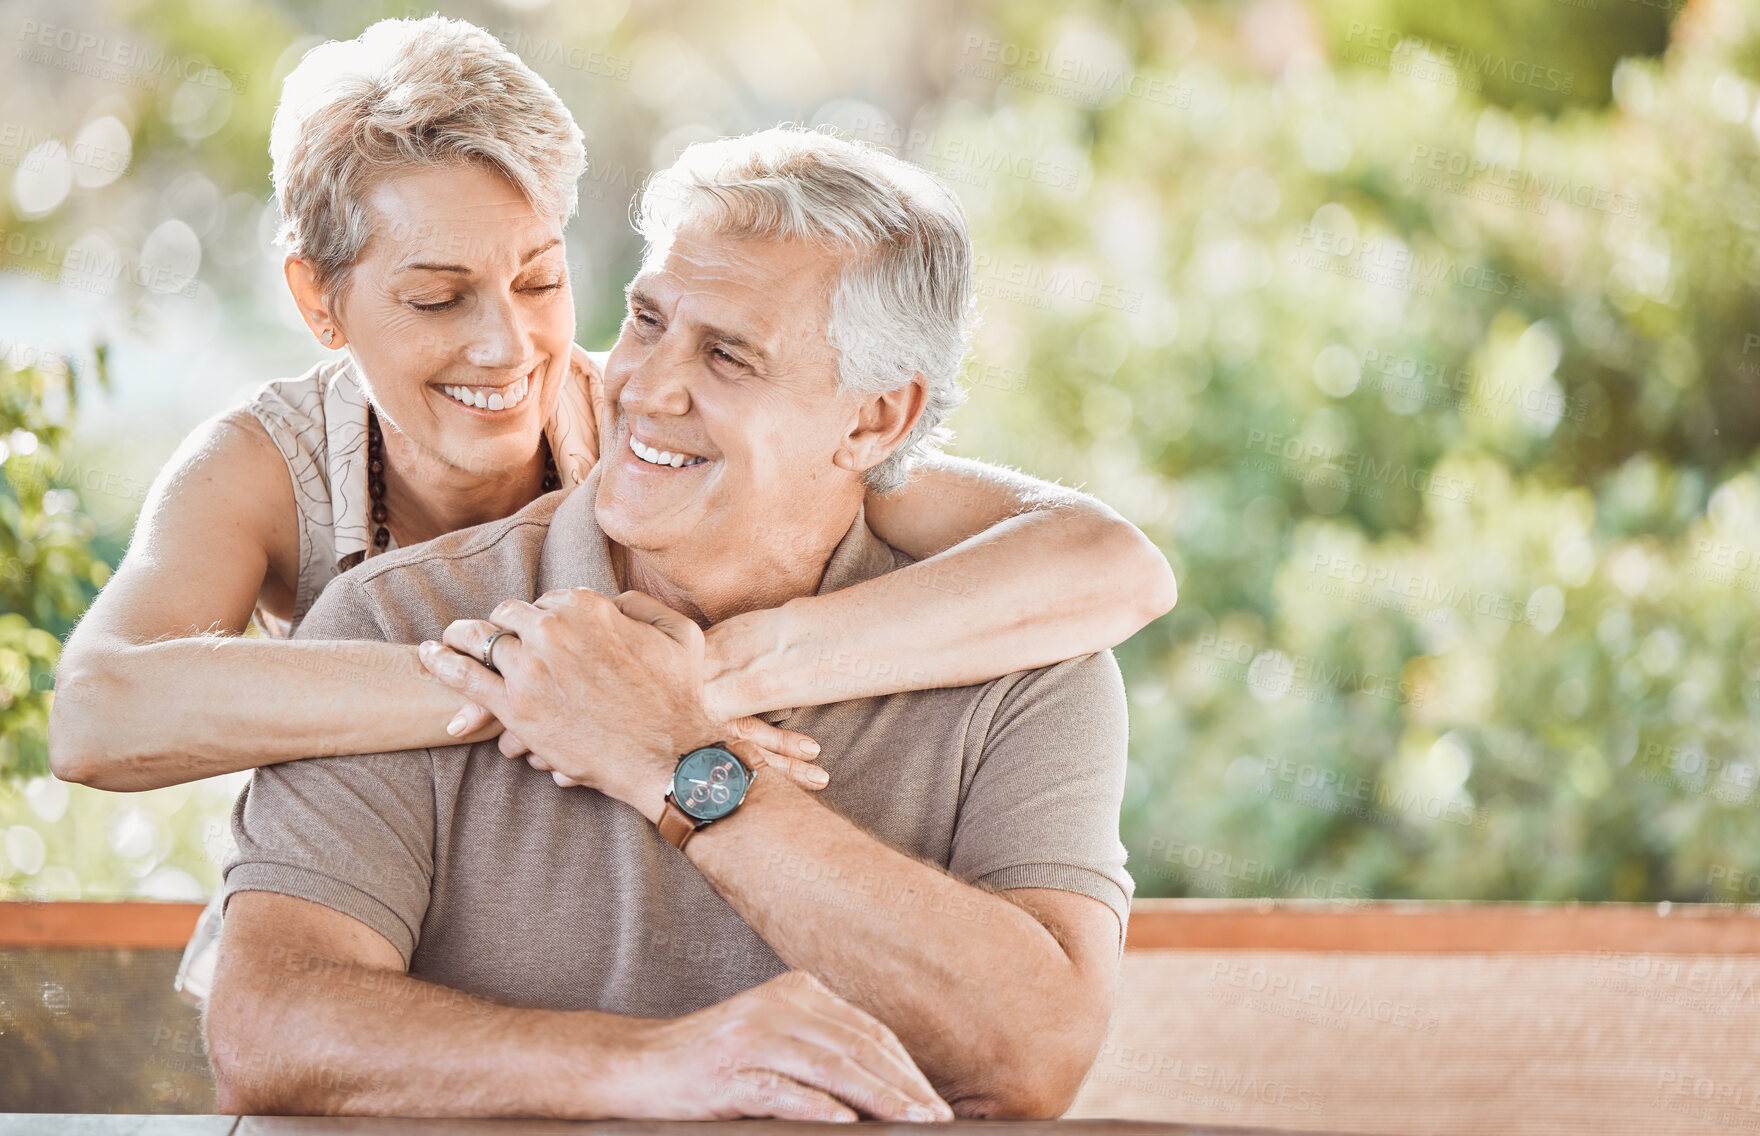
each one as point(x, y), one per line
point(774, 738)
point(802, 773)
point(511, 746)
point(474, 723)
point(780, 749)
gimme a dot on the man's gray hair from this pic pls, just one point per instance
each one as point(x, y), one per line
point(410, 93)
point(904, 303)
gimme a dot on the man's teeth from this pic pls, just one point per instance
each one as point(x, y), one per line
point(491, 398)
point(662, 457)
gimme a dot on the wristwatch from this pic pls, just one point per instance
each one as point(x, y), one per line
point(708, 784)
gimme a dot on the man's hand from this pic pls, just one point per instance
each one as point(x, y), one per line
point(788, 1048)
point(604, 693)
point(608, 692)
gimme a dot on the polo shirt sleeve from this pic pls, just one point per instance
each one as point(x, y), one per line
point(1042, 808)
point(355, 834)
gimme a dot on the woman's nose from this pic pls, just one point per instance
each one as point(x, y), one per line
point(497, 336)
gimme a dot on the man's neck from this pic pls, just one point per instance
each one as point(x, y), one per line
point(710, 588)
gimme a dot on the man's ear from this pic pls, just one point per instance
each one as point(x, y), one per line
point(303, 283)
point(882, 423)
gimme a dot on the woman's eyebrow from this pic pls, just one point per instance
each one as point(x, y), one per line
point(428, 266)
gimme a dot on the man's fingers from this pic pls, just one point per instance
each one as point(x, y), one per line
point(543, 766)
point(867, 1039)
point(911, 1097)
point(467, 676)
point(645, 608)
point(467, 636)
point(774, 738)
point(765, 1092)
point(822, 1062)
point(560, 599)
point(519, 617)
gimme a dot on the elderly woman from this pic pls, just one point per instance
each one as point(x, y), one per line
point(425, 175)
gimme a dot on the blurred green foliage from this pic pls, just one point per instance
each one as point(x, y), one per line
point(1434, 375)
point(1454, 447)
point(48, 573)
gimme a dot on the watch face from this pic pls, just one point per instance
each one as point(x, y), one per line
point(709, 783)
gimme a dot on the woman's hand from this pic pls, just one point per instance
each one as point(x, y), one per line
point(781, 749)
point(473, 724)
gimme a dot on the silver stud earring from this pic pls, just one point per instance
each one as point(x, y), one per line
point(329, 334)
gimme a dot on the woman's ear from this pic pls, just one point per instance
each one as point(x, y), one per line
point(309, 297)
point(883, 421)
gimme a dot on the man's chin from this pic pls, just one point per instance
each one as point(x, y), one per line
point(636, 525)
point(636, 512)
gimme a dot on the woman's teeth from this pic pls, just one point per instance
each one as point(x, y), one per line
point(662, 457)
point(491, 398)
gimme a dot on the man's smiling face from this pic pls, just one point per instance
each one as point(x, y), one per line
point(725, 410)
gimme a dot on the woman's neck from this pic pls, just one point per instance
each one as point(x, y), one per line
point(427, 496)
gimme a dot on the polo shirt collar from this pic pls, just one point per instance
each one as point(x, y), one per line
point(577, 554)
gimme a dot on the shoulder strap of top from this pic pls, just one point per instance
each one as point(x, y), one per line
point(345, 432)
point(314, 419)
point(319, 423)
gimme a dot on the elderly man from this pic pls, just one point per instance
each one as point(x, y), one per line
point(448, 932)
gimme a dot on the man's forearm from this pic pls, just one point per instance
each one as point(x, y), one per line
point(960, 974)
point(301, 1033)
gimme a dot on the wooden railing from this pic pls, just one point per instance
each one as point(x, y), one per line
point(1156, 924)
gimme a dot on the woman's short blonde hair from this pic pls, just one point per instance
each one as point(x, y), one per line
point(434, 91)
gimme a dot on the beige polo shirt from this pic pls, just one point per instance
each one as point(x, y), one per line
point(492, 880)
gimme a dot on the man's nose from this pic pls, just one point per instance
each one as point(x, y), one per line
point(657, 384)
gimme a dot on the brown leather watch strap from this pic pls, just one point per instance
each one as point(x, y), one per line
point(676, 825)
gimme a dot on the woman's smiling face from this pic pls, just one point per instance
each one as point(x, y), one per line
point(460, 316)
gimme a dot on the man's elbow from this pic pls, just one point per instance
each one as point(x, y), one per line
point(255, 1074)
point(1041, 1092)
point(1035, 1073)
point(239, 1089)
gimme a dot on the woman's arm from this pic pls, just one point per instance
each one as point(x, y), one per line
point(157, 686)
point(1012, 573)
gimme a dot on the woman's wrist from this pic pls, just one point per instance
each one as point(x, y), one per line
point(745, 664)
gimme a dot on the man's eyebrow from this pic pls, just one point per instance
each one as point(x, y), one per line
point(429, 266)
point(641, 299)
point(738, 342)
